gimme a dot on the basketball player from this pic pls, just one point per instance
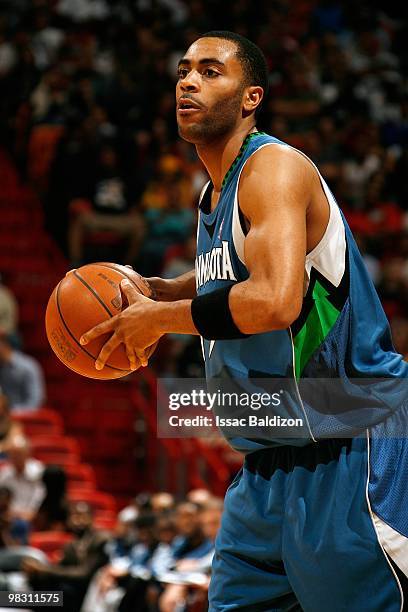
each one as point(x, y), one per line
point(280, 290)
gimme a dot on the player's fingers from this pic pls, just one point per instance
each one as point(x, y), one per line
point(142, 284)
point(98, 330)
point(106, 351)
point(134, 361)
point(129, 291)
point(141, 355)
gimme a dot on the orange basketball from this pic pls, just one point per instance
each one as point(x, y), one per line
point(82, 299)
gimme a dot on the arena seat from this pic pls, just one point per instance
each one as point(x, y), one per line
point(55, 446)
point(105, 520)
point(50, 458)
point(43, 422)
point(50, 542)
point(100, 502)
point(80, 476)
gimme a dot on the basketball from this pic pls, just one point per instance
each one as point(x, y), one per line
point(82, 299)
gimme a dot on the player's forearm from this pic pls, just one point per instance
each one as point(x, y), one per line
point(256, 308)
point(174, 317)
point(253, 308)
point(172, 289)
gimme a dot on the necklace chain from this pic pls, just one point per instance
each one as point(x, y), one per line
point(244, 145)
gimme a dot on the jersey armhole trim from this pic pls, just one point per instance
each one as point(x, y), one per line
point(238, 234)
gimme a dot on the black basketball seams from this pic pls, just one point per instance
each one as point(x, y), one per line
point(70, 333)
point(92, 290)
point(113, 267)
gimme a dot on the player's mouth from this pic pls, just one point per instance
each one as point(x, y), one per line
point(188, 106)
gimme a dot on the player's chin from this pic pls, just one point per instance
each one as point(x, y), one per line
point(191, 132)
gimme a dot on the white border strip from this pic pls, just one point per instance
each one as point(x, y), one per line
point(395, 543)
point(374, 523)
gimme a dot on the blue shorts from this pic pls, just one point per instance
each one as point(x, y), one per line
point(319, 528)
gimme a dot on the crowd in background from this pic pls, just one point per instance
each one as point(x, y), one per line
point(157, 558)
point(88, 115)
point(101, 76)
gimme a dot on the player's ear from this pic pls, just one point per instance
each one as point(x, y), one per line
point(252, 98)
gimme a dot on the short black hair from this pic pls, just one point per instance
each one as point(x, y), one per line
point(253, 61)
point(146, 521)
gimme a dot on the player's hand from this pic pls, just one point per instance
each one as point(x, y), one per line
point(135, 327)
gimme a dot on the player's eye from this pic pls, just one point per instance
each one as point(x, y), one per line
point(210, 72)
point(182, 73)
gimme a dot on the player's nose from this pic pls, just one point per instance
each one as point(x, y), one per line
point(191, 82)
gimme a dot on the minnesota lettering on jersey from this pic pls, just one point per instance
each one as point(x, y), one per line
point(214, 265)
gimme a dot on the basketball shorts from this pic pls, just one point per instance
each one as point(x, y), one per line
point(319, 528)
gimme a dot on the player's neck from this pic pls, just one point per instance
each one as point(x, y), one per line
point(218, 156)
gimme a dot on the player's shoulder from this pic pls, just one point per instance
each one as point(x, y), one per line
point(278, 166)
point(279, 156)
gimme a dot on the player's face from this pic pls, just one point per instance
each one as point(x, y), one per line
point(209, 91)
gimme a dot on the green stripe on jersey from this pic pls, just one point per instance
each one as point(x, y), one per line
point(239, 156)
point(319, 322)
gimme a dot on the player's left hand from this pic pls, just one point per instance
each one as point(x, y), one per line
point(135, 327)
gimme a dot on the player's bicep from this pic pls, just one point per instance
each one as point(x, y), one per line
point(275, 249)
point(274, 198)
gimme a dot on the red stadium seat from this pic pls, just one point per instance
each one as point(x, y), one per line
point(43, 422)
point(59, 447)
point(105, 520)
point(80, 476)
point(100, 502)
point(50, 542)
point(60, 459)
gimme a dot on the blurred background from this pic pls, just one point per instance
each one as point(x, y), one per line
point(91, 168)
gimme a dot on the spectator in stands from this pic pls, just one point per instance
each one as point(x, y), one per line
point(108, 204)
point(200, 497)
point(169, 222)
point(53, 512)
point(140, 504)
point(104, 593)
point(14, 535)
point(124, 535)
point(8, 315)
point(150, 558)
point(143, 502)
point(22, 474)
point(80, 560)
point(21, 378)
point(162, 502)
point(13, 531)
point(131, 578)
point(191, 542)
point(191, 577)
point(9, 429)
